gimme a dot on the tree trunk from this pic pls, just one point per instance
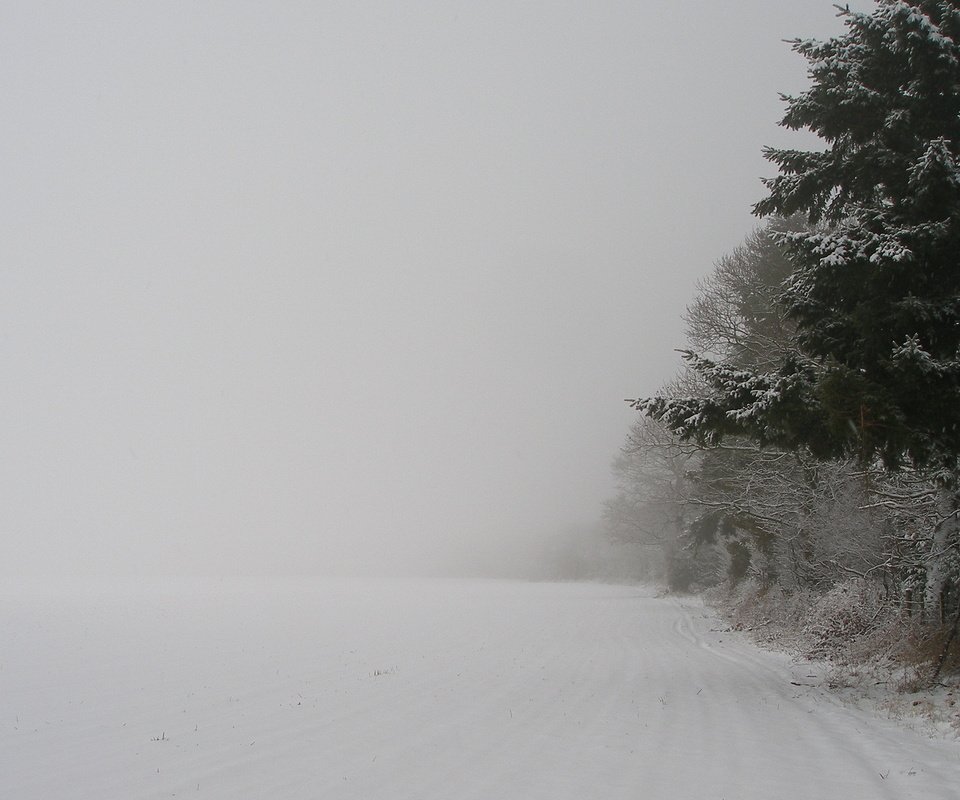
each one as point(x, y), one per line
point(946, 646)
point(944, 535)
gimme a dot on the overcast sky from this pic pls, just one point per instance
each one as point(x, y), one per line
point(312, 286)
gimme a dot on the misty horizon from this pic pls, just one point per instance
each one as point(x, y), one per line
point(310, 289)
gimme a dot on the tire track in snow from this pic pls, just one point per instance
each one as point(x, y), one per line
point(770, 722)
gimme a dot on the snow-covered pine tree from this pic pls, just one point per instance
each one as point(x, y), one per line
point(875, 287)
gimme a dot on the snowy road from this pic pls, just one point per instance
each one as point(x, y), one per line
point(407, 690)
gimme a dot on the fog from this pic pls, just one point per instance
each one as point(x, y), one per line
point(323, 287)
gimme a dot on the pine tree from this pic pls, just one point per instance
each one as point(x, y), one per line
point(875, 286)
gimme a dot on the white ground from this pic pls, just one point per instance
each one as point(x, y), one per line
point(423, 690)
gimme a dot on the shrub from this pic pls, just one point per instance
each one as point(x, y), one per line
point(838, 618)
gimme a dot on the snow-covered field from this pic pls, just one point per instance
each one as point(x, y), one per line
point(440, 689)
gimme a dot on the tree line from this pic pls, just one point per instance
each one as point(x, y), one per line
point(812, 437)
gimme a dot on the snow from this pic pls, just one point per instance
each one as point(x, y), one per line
point(422, 689)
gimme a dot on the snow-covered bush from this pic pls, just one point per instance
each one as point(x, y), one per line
point(770, 613)
point(847, 612)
